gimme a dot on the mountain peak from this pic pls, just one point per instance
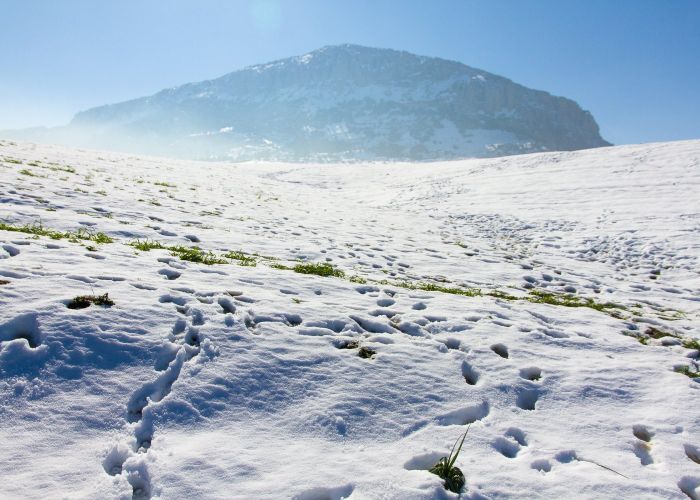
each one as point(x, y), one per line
point(342, 102)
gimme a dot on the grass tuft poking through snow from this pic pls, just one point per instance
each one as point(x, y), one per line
point(195, 254)
point(319, 269)
point(83, 301)
point(539, 297)
point(241, 258)
point(445, 469)
point(146, 245)
point(37, 229)
point(688, 372)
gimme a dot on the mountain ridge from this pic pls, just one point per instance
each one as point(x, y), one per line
point(340, 102)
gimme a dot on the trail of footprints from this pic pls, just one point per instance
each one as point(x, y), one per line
point(347, 333)
point(182, 346)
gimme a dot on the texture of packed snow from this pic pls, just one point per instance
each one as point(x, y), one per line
point(226, 381)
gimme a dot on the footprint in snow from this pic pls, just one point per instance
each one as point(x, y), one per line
point(501, 350)
point(541, 465)
point(527, 398)
point(471, 376)
point(692, 452)
point(511, 443)
point(11, 250)
point(170, 274)
point(531, 373)
point(386, 302)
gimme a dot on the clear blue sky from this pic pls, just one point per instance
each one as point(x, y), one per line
point(635, 64)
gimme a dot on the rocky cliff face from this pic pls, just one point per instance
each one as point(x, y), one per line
point(342, 102)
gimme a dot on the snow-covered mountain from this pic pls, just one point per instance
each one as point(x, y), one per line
point(548, 300)
point(336, 103)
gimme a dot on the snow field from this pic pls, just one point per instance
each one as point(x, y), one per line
point(232, 381)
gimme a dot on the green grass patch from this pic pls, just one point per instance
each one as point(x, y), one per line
point(497, 294)
point(242, 258)
point(568, 300)
point(319, 269)
point(37, 229)
point(281, 267)
point(691, 344)
point(433, 287)
point(195, 254)
point(688, 372)
point(13, 161)
point(146, 245)
point(28, 172)
point(357, 279)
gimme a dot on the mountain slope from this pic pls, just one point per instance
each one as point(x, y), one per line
point(236, 376)
point(341, 102)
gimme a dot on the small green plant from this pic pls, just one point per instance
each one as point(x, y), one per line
point(281, 267)
point(432, 287)
point(688, 372)
point(319, 269)
point(195, 254)
point(243, 259)
point(692, 344)
point(37, 229)
point(568, 300)
point(83, 301)
point(146, 245)
point(358, 279)
point(445, 469)
point(498, 294)
point(28, 172)
point(12, 160)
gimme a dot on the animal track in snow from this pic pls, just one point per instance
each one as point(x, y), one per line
point(692, 452)
point(526, 398)
point(531, 373)
point(506, 447)
point(129, 460)
point(24, 326)
point(325, 493)
point(511, 443)
point(642, 450)
point(170, 274)
point(541, 465)
point(471, 376)
point(386, 302)
point(11, 251)
point(516, 434)
point(466, 415)
point(642, 433)
point(690, 486)
point(500, 349)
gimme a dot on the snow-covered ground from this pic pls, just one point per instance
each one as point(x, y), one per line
point(231, 381)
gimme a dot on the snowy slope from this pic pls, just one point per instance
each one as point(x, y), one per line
point(231, 381)
point(343, 102)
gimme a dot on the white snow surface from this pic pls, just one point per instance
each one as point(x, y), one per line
point(226, 381)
